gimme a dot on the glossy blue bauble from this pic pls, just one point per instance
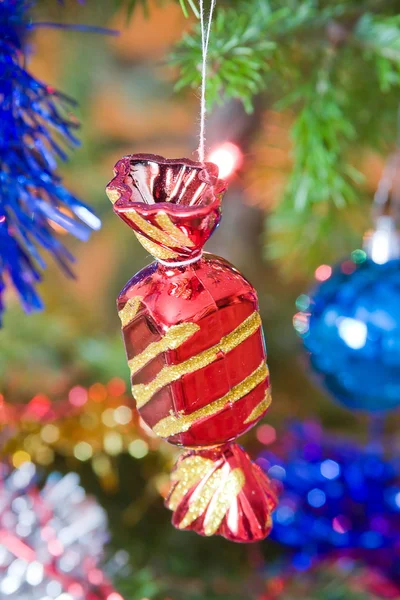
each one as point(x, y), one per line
point(350, 326)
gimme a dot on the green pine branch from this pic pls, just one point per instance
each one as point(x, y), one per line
point(237, 58)
point(333, 64)
point(336, 64)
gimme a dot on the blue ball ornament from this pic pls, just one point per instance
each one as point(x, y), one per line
point(350, 327)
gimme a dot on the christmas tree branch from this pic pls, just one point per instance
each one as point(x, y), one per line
point(237, 58)
point(327, 61)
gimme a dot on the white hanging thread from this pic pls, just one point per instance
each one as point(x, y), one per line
point(205, 35)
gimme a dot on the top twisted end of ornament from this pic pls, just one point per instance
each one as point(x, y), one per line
point(173, 206)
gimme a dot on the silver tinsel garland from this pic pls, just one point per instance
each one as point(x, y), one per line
point(51, 539)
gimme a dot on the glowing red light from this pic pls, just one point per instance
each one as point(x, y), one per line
point(75, 589)
point(78, 396)
point(275, 585)
point(95, 576)
point(228, 157)
point(348, 267)
point(323, 273)
point(4, 412)
point(39, 406)
point(266, 434)
point(98, 392)
point(116, 386)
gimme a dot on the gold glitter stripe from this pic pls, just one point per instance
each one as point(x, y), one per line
point(199, 502)
point(260, 408)
point(180, 423)
point(128, 313)
point(156, 234)
point(113, 195)
point(174, 337)
point(188, 473)
point(176, 234)
point(223, 500)
point(154, 249)
point(143, 392)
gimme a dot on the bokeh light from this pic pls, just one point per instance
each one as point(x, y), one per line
point(228, 157)
point(323, 272)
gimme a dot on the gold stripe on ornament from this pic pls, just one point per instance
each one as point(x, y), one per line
point(113, 195)
point(219, 491)
point(130, 310)
point(199, 502)
point(154, 249)
point(150, 230)
point(223, 500)
point(164, 221)
point(180, 423)
point(260, 408)
point(187, 474)
point(174, 337)
point(143, 392)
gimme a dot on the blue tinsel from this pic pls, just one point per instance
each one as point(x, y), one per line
point(35, 129)
point(335, 497)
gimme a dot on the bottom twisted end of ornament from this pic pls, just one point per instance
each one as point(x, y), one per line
point(220, 491)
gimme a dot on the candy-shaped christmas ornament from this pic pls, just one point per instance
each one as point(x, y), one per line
point(195, 347)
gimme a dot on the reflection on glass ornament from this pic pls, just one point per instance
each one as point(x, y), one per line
point(350, 324)
point(335, 497)
point(195, 346)
point(51, 539)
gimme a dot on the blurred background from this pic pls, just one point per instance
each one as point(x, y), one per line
point(64, 379)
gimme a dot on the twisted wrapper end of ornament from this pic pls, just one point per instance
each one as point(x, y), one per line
point(220, 491)
point(173, 206)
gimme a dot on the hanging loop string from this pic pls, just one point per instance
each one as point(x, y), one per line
point(205, 36)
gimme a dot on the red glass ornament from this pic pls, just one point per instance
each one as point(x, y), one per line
point(195, 346)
